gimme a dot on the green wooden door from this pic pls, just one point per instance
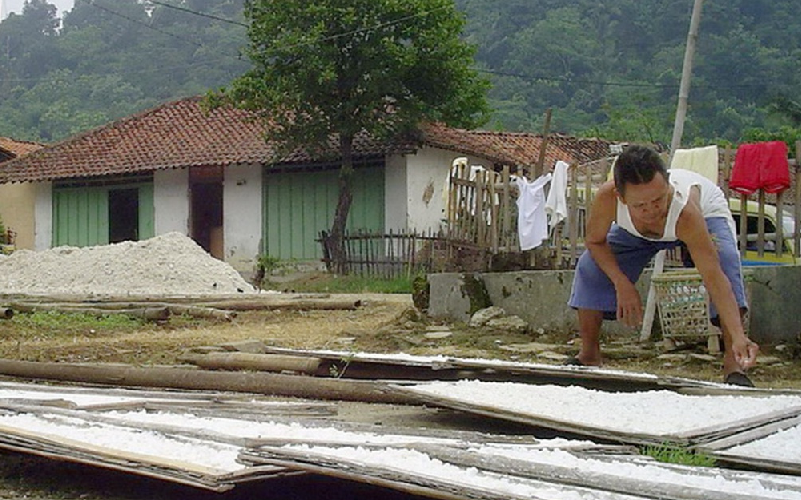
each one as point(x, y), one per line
point(81, 214)
point(300, 204)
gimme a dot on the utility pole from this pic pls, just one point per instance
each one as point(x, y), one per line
point(686, 75)
point(675, 143)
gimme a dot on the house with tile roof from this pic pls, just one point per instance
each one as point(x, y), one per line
point(211, 175)
point(17, 201)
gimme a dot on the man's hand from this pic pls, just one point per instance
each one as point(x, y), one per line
point(745, 352)
point(629, 304)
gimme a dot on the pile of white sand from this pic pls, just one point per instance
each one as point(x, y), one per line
point(170, 264)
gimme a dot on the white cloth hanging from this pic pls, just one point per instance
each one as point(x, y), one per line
point(532, 221)
point(556, 202)
point(703, 161)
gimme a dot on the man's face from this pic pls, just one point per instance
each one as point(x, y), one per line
point(648, 202)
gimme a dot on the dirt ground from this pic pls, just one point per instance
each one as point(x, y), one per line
point(385, 324)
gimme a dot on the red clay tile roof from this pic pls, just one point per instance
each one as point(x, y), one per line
point(515, 148)
point(18, 148)
point(179, 134)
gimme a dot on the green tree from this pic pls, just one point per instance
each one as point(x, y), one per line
point(343, 67)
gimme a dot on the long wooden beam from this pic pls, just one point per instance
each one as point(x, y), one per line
point(182, 378)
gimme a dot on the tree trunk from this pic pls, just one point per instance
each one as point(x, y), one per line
point(336, 243)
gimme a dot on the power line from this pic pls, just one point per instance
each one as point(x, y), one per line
point(136, 21)
point(366, 29)
point(197, 13)
point(608, 83)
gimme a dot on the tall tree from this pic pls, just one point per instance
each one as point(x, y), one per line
point(339, 67)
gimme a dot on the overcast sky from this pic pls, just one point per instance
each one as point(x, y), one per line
point(16, 5)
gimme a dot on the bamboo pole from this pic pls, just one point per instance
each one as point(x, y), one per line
point(253, 361)
point(675, 143)
point(192, 379)
point(686, 76)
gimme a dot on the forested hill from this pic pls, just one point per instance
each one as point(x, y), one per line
point(614, 66)
point(609, 68)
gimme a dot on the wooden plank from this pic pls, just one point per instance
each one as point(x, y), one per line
point(576, 476)
point(397, 478)
point(722, 449)
point(106, 452)
point(683, 439)
point(750, 435)
point(435, 490)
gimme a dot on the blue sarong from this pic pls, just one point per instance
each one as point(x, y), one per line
point(592, 289)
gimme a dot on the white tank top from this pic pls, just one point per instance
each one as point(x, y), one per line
point(713, 203)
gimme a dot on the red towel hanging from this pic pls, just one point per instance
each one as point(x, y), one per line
point(762, 165)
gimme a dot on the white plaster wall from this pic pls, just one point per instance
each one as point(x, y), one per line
point(242, 216)
point(427, 173)
point(43, 216)
point(395, 200)
point(171, 201)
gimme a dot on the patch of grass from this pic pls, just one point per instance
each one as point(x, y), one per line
point(55, 323)
point(675, 454)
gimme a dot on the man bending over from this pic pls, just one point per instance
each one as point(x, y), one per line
point(643, 210)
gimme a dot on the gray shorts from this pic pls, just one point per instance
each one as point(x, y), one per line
point(592, 288)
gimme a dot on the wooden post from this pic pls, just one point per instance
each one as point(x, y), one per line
point(797, 228)
point(727, 156)
point(574, 210)
point(546, 129)
point(480, 215)
point(743, 224)
point(506, 208)
point(761, 223)
point(779, 238)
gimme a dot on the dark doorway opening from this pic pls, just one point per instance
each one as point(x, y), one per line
point(123, 215)
point(207, 217)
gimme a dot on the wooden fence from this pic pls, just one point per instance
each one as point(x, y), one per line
point(393, 254)
point(481, 226)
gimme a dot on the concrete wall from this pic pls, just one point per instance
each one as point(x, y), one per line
point(540, 298)
point(17, 207)
point(242, 216)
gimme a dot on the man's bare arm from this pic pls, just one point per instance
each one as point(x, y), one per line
point(691, 229)
point(601, 217)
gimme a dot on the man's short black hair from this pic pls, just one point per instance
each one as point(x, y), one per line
point(637, 165)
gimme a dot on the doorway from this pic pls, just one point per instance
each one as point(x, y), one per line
point(207, 210)
point(123, 215)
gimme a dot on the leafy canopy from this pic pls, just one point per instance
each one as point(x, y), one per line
point(343, 66)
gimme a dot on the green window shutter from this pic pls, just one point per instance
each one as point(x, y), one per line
point(80, 216)
point(81, 211)
point(147, 212)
